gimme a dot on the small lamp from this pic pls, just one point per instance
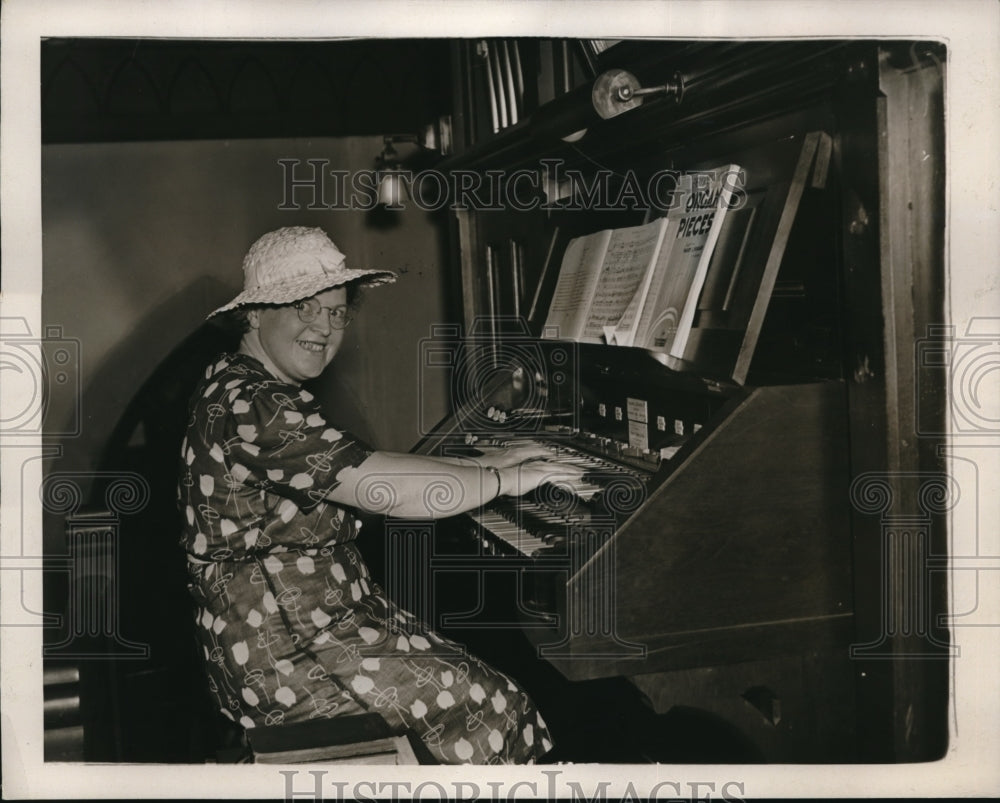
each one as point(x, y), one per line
point(392, 179)
point(391, 184)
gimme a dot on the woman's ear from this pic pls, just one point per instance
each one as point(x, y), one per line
point(253, 318)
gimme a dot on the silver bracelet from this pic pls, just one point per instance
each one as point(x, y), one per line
point(496, 473)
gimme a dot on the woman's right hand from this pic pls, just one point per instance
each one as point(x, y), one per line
point(525, 477)
point(507, 456)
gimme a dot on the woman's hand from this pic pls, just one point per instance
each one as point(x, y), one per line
point(520, 479)
point(422, 487)
point(504, 457)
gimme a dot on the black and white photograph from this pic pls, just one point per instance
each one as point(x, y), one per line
point(604, 395)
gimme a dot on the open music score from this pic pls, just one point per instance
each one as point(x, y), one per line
point(640, 285)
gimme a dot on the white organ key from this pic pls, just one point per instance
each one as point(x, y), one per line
point(523, 541)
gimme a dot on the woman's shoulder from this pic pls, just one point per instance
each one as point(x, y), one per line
point(237, 379)
point(235, 370)
point(236, 364)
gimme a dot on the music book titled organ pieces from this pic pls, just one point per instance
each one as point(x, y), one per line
point(639, 286)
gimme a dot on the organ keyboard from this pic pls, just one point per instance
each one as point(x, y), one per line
point(542, 520)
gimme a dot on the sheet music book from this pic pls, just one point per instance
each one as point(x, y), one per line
point(679, 279)
point(640, 285)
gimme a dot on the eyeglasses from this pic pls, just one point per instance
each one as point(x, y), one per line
point(310, 309)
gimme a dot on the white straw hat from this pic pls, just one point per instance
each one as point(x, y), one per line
point(293, 263)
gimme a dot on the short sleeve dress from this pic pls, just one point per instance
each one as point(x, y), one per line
point(292, 625)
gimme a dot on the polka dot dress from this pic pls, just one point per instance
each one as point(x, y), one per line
point(292, 625)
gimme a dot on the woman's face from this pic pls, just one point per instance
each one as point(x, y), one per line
point(295, 351)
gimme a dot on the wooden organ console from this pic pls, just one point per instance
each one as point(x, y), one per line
point(712, 554)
